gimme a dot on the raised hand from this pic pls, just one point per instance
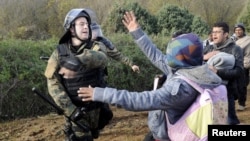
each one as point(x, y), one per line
point(129, 20)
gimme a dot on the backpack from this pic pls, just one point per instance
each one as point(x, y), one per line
point(209, 108)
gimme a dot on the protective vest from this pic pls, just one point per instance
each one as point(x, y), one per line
point(84, 78)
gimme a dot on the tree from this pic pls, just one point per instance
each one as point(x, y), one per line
point(42, 19)
point(113, 23)
point(172, 18)
point(199, 26)
point(245, 18)
point(213, 11)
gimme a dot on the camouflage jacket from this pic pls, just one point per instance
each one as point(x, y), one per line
point(118, 56)
point(113, 52)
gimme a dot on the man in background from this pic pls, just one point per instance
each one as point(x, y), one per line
point(222, 43)
point(242, 40)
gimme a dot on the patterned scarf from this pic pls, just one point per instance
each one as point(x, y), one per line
point(185, 51)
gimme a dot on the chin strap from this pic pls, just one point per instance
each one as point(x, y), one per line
point(77, 37)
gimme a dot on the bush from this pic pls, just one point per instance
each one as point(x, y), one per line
point(199, 27)
point(122, 76)
point(172, 18)
point(113, 23)
point(21, 70)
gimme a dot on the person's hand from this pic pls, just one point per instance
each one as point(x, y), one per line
point(136, 68)
point(130, 22)
point(162, 78)
point(209, 55)
point(67, 73)
point(159, 76)
point(86, 93)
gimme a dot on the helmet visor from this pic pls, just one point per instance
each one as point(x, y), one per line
point(96, 31)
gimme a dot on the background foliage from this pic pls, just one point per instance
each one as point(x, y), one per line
point(43, 19)
point(32, 28)
point(21, 70)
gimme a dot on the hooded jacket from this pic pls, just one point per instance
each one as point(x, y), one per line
point(174, 97)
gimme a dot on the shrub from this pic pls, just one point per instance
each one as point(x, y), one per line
point(199, 27)
point(113, 23)
point(21, 70)
point(172, 18)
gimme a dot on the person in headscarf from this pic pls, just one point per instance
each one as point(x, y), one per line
point(184, 57)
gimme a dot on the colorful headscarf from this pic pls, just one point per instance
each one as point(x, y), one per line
point(185, 51)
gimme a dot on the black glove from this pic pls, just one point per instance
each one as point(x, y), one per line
point(78, 113)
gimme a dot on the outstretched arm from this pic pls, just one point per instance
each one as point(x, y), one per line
point(144, 42)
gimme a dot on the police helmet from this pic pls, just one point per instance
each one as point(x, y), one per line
point(96, 30)
point(69, 21)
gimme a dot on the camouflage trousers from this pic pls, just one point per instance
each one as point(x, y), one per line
point(90, 120)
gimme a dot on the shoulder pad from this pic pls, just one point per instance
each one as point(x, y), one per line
point(62, 50)
point(99, 46)
point(51, 68)
point(96, 47)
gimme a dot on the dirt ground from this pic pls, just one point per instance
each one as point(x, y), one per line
point(125, 126)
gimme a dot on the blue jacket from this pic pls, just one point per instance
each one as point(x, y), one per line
point(174, 97)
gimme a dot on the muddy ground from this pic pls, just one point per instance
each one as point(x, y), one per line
point(125, 126)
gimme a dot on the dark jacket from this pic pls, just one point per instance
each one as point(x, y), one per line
point(231, 75)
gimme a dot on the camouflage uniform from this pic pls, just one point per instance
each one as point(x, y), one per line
point(118, 56)
point(112, 50)
point(91, 58)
